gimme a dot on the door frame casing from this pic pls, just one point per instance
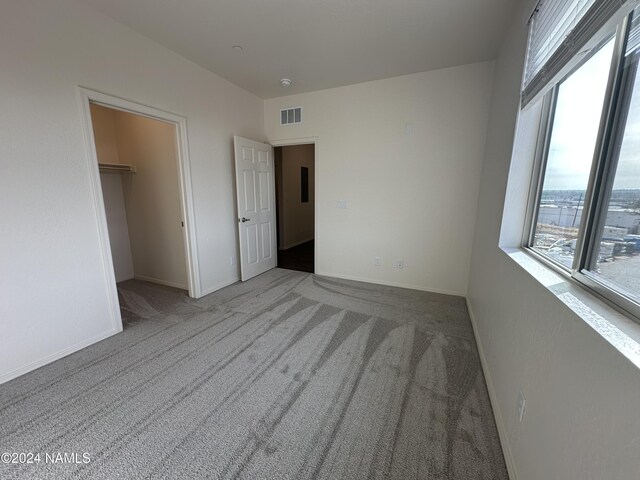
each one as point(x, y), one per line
point(87, 96)
point(287, 142)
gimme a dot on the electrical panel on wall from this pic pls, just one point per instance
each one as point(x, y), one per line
point(291, 116)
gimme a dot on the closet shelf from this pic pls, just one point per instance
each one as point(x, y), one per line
point(116, 168)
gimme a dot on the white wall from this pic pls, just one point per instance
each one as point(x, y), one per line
point(581, 419)
point(119, 240)
point(104, 133)
point(53, 287)
point(296, 219)
point(152, 199)
point(405, 153)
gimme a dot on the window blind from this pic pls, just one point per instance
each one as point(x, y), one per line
point(558, 30)
point(633, 40)
point(550, 26)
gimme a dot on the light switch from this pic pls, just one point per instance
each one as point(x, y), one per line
point(408, 129)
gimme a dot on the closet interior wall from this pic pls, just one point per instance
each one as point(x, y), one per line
point(143, 209)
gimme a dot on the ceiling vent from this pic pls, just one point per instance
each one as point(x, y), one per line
point(291, 116)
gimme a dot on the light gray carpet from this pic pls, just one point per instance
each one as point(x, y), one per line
point(287, 376)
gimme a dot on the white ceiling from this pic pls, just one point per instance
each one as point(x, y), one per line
point(317, 43)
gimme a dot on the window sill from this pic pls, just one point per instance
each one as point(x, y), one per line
point(620, 331)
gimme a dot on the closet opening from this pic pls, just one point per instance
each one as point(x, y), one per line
point(295, 206)
point(139, 166)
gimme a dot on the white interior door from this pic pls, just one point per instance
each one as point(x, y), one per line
point(255, 184)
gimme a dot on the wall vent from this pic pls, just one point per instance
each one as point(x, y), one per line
point(291, 116)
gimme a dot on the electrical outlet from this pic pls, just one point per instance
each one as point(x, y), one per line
point(522, 401)
point(232, 260)
point(341, 204)
point(400, 264)
point(376, 261)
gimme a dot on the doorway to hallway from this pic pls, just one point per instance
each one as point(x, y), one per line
point(295, 206)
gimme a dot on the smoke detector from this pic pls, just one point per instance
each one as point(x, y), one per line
point(285, 82)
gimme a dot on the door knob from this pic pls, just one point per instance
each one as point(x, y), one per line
point(245, 220)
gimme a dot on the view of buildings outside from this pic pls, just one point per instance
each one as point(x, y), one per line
point(557, 228)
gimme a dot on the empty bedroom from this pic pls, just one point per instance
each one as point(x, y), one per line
point(293, 239)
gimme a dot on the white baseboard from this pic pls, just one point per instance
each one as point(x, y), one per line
point(218, 287)
point(392, 284)
point(162, 282)
point(5, 377)
point(287, 247)
point(502, 431)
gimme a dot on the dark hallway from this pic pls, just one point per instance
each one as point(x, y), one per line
point(298, 258)
point(295, 206)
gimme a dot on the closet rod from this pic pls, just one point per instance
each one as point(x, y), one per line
point(116, 167)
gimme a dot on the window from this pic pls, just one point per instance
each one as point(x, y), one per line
point(578, 107)
point(586, 201)
point(616, 258)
